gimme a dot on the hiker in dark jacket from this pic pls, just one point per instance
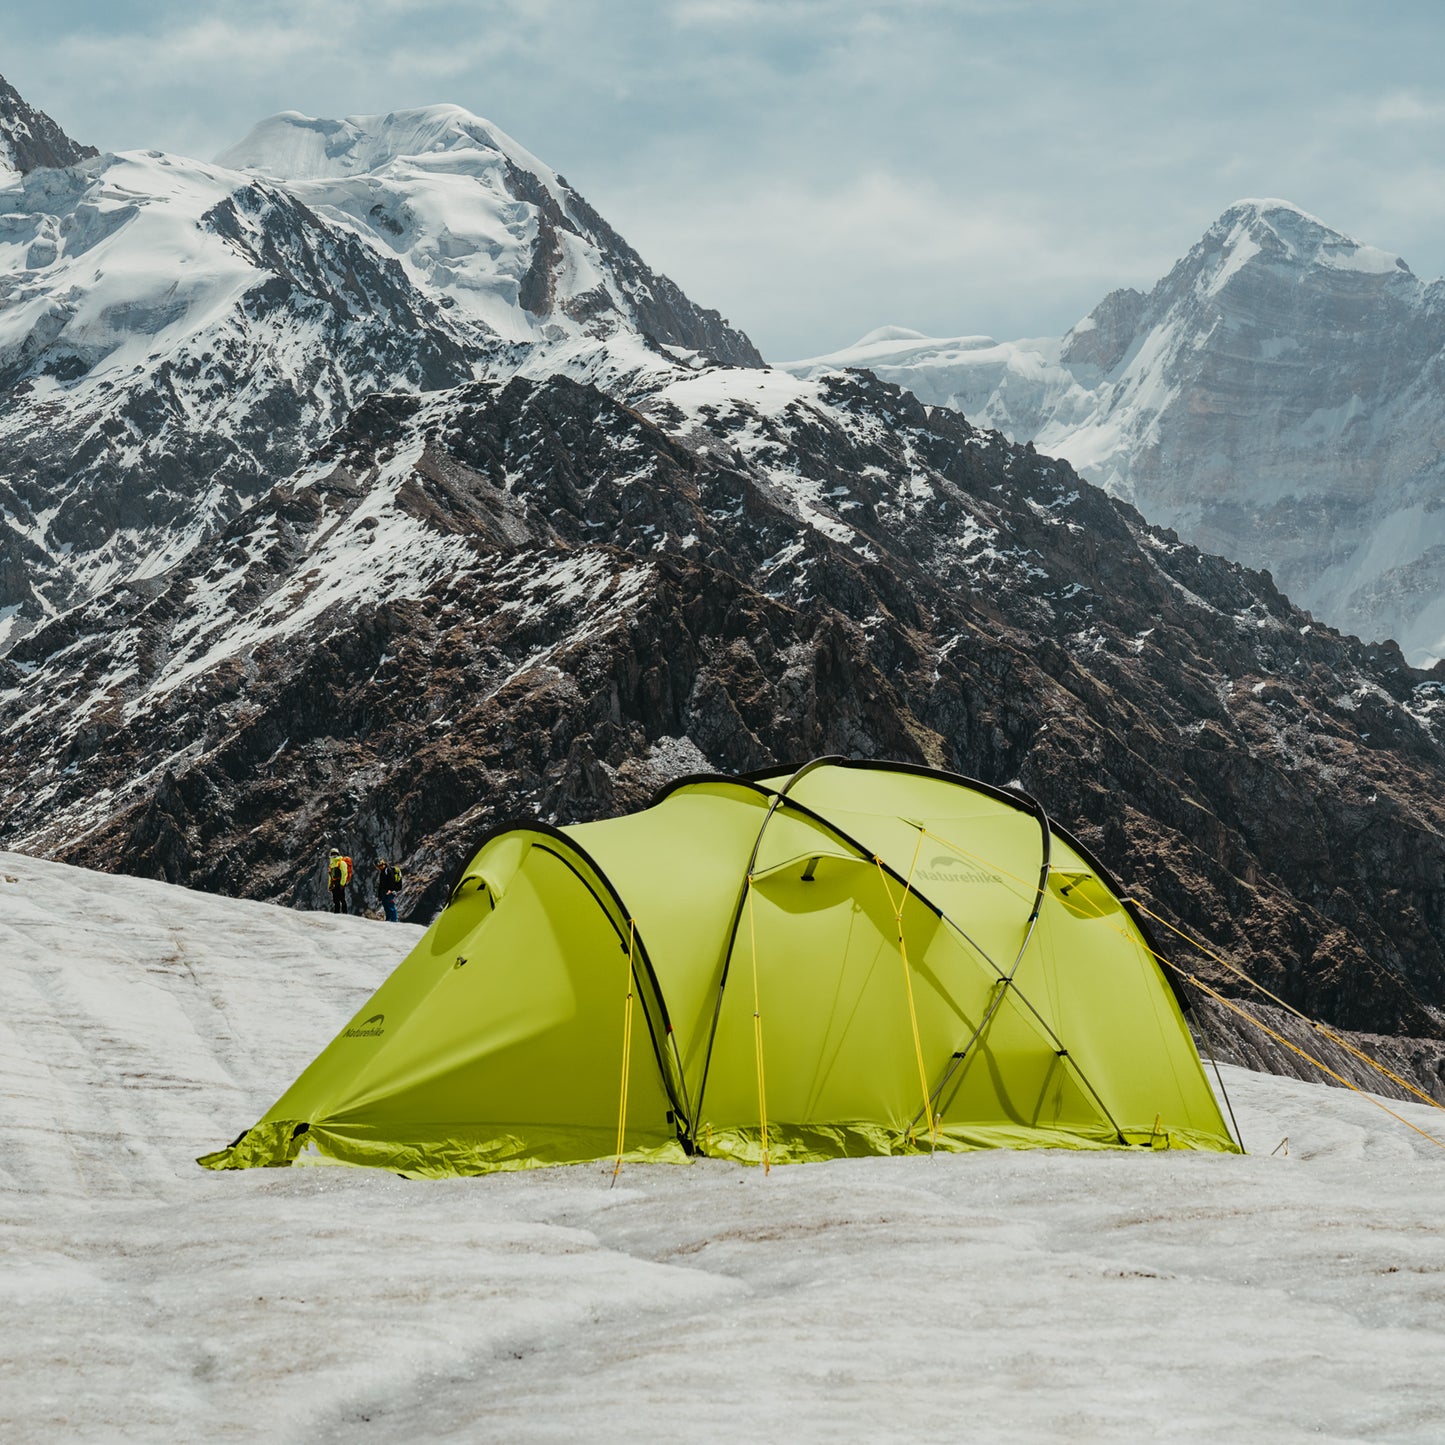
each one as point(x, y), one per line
point(388, 880)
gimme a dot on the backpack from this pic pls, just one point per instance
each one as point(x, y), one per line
point(393, 876)
point(343, 870)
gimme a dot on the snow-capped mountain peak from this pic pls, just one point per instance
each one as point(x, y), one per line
point(1275, 398)
point(474, 216)
point(1284, 232)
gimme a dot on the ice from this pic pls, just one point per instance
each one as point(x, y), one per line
point(1006, 1296)
point(292, 146)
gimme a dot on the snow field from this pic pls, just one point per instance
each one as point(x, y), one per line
point(1002, 1296)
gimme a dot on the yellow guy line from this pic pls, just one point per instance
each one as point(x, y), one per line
point(1225, 963)
point(626, 1052)
point(1265, 1028)
point(1295, 1049)
point(897, 907)
point(1324, 1029)
point(758, 1033)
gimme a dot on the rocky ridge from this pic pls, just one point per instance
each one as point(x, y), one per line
point(528, 597)
point(29, 139)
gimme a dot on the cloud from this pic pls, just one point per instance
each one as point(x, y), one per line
point(1405, 107)
point(818, 167)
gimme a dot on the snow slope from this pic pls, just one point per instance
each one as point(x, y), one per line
point(430, 185)
point(1015, 1296)
point(1011, 385)
point(173, 336)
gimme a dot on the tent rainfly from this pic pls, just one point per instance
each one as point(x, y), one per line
point(850, 958)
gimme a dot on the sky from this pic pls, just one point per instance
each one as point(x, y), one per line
point(818, 168)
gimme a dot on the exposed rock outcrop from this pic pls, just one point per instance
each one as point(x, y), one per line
point(29, 139)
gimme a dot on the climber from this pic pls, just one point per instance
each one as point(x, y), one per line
point(338, 875)
point(388, 880)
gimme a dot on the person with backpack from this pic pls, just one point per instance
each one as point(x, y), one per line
point(388, 880)
point(338, 875)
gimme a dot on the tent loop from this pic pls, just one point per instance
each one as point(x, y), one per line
point(626, 1050)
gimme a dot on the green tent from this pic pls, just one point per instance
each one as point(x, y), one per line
point(851, 958)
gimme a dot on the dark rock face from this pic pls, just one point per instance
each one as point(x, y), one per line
point(664, 314)
point(531, 599)
point(30, 139)
point(1113, 328)
point(660, 310)
point(1418, 1065)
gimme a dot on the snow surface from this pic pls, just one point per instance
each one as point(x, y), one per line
point(109, 257)
point(1003, 1296)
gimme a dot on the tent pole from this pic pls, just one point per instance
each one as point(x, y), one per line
point(1029, 927)
point(626, 1052)
point(1214, 1064)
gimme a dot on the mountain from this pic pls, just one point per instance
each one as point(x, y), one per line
point(366, 489)
point(1277, 398)
point(29, 139)
point(528, 597)
point(176, 336)
point(485, 226)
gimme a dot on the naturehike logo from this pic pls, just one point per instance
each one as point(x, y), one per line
point(945, 868)
point(371, 1028)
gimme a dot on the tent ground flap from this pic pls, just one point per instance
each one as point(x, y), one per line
point(439, 1152)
